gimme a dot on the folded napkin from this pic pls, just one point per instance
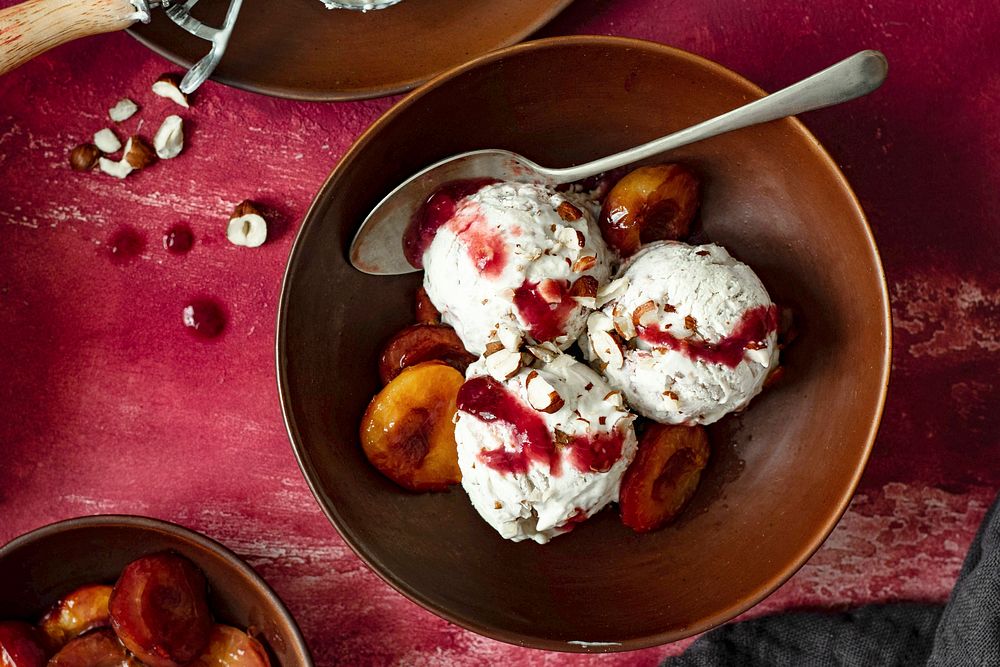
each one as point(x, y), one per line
point(965, 631)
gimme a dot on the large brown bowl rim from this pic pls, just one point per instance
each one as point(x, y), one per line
point(737, 607)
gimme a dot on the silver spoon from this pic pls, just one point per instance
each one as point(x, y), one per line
point(377, 247)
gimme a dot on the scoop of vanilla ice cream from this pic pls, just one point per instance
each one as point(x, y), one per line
point(506, 261)
point(537, 478)
point(688, 334)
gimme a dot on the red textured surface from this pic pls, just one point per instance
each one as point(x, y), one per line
point(109, 405)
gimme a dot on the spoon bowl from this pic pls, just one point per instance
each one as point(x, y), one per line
point(377, 248)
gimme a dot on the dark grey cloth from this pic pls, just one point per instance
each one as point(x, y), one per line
point(969, 631)
point(966, 631)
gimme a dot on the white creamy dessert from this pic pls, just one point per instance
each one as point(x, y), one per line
point(687, 333)
point(506, 262)
point(542, 449)
point(360, 5)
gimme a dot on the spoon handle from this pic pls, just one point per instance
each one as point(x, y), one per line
point(850, 78)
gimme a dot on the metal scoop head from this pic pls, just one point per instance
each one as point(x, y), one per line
point(179, 12)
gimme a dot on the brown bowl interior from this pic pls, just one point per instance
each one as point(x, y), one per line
point(781, 474)
point(38, 568)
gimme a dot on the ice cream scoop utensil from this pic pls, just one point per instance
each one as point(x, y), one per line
point(377, 248)
point(180, 14)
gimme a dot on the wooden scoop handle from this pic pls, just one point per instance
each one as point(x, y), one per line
point(33, 27)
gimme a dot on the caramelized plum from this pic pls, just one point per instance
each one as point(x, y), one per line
point(663, 476)
point(159, 610)
point(99, 648)
point(426, 312)
point(650, 204)
point(20, 645)
point(84, 609)
point(407, 432)
point(774, 377)
point(229, 647)
point(419, 343)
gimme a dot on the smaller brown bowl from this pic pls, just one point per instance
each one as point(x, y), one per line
point(39, 567)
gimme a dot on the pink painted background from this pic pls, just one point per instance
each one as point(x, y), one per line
point(107, 404)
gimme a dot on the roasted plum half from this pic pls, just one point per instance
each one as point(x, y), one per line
point(159, 609)
point(407, 430)
point(419, 343)
point(663, 476)
point(656, 203)
point(83, 609)
point(231, 647)
point(99, 648)
point(20, 645)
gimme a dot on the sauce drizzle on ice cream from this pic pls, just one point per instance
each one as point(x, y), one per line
point(546, 321)
point(439, 208)
point(488, 400)
point(598, 452)
point(750, 332)
point(486, 248)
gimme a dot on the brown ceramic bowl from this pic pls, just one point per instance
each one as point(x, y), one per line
point(781, 474)
point(39, 567)
point(304, 51)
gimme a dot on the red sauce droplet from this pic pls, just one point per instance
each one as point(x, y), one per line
point(178, 239)
point(436, 211)
point(754, 327)
point(204, 318)
point(125, 244)
point(546, 321)
point(488, 400)
point(574, 520)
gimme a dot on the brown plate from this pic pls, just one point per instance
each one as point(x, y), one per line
point(39, 567)
point(301, 50)
point(780, 475)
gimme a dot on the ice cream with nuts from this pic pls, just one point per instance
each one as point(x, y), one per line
point(687, 333)
point(516, 274)
point(541, 447)
point(509, 260)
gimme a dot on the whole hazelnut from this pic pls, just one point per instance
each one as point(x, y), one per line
point(84, 157)
point(247, 226)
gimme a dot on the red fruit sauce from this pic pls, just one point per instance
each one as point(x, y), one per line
point(178, 239)
point(490, 401)
point(753, 328)
point(596, 453)
point(125, 244)
point(546, 321)
point(204, 318)
point(574, 520)
point(486, 248)
point(439, 208)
